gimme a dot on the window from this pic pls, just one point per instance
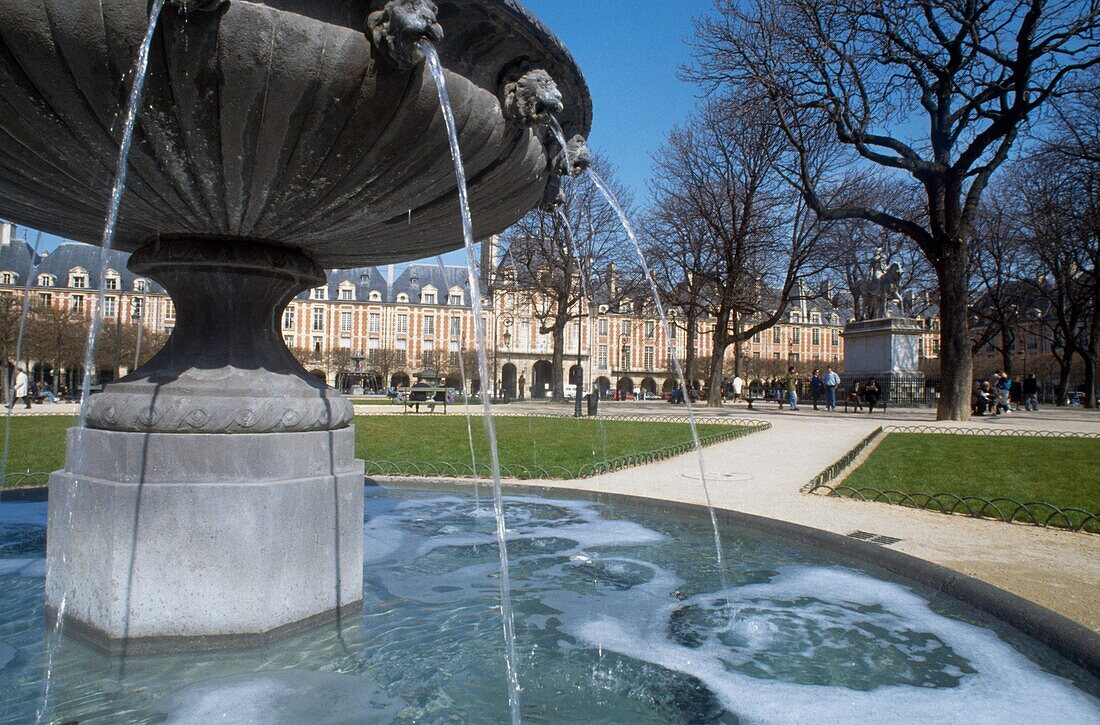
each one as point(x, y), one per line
point(815, 318)
point(834, 337)
point(670, 355)
point(624, 361)
point(627, 327)
point(795, 357)
point(110, 306)
point(7, 278)
point(345, 323)
point(319, 293)
point(141, 285)
point(169, 309)
point(318, 319)
point(601, 360)
point(375, 296)
point(604, 325)
point(46, 280)
point(78, 303)
point(110, 280)
point(453, 356)
point(402, 324)
point(375, 322)
point(456, 327)
point(78, 279)
point(815, 336)
point(288, 319)
point(756, 354)
point(136, 308)
point(402, 297)
point(428, 297)
point(317, 343)
point(429, 325)
point(45, 299)
point(775, 356)
point(777, 336)
point(650, 328)
point(401, 344)
point(649, 359)
point(936, 346)
point(455, 297)
point(796, 335)
point(347, 292)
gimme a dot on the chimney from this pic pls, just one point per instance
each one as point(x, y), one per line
point(612, 280)
point(5, 234)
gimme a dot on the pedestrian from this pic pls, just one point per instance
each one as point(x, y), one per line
point(831, 381)
point(792, 388)
point(871, 392)
point(817, 387)
point(522, 386)
point(738, 386)
point(1031, 393)
point(1003, 386)
point(21, 389)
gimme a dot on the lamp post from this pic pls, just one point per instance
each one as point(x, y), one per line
point(580, 372)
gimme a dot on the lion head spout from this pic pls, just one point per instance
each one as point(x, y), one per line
point(531, 99)
point(400, 25)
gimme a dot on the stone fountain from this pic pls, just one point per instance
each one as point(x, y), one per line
point(214, 498)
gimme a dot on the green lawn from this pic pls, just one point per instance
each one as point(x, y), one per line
point(561, 446)
point(1062, 471)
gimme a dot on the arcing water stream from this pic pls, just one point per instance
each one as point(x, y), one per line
point(436, 69)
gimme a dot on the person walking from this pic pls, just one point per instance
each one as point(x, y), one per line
point(522, 386)
point(792, 388)
point(1031, 393)
point(831, 382)
point(1003, 386)
point(738, 386)
point(871, 393)
point(817, 386)
point(21, 389)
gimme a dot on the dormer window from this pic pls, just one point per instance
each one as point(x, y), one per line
point(7, 277)
point(402, 297)
point(455, 296)
point(46, 280)
point(429, 296)
point(78, 278)
point(347, 292)
point(319, 293)
point(375, 296)
point(815, 318)
point(110, 280)
point(141, 285)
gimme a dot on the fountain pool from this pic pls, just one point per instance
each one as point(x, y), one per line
point(620, 617)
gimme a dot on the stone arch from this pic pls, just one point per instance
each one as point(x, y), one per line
point(668, 386)
point(400, 380)
point(542, 374)
point(508, 378)
point(625, 385)
point(603, 384)
point(320, 375)
point(649, 385)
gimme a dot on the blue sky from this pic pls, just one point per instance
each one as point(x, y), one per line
point(630, 52)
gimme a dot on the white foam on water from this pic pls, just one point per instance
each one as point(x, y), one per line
point(7, 654)
point(286, 696)
point(382, 538)
point(1007, 687)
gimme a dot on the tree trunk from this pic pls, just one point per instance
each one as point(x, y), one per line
point(1065, 367)
point(717, 357)
point(1006, 350)
point(956, 358)
point(1090, 356)
point(557, 388)
point(689, 357)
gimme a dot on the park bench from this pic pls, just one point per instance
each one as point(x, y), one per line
point(414, 397)
point(751, 398)
point(857, 402)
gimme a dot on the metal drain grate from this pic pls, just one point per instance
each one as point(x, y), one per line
point(873, 538)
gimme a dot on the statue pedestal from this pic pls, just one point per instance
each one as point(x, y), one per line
point(214, 499)
point(887, 349)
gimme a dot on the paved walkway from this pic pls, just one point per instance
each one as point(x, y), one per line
point(762, 474)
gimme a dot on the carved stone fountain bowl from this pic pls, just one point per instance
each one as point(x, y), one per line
point(273, 120)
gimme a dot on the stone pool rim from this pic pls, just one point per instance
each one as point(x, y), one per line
point(1073, 641)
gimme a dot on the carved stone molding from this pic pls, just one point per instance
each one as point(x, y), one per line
point(532, 99)
point(226, 368)
point(400, 25)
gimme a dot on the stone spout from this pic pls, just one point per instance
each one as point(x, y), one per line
point(531, 99)
point(574, 159)
point(226, 368)
point(398, 28)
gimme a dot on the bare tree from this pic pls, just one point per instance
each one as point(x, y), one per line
point(556, 265)
point(386, 361)
point(964, 74)
point(743, 240)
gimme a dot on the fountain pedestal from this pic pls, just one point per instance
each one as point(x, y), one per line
point(214, 499)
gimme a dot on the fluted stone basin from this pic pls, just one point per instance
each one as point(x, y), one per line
point(275, 120)
point(277, 138)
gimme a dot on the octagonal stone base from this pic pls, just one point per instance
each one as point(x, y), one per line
point(167, 542)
